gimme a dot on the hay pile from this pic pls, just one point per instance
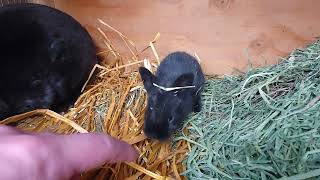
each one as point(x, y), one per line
point(114, 103)
point(264, 124)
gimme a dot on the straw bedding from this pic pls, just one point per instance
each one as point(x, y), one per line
point(113, 102)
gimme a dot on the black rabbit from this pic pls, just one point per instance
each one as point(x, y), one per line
point(46, 57)
point(166, 110)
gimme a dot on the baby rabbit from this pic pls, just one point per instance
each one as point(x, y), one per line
point(166, 110)
point(46, 57)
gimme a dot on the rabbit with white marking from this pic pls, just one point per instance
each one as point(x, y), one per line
point(173, 93)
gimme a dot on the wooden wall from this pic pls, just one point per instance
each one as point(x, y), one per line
point(219, 31)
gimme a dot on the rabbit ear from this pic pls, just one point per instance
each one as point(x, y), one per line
point(56, 50)
point(184, 80)
point(148, 79)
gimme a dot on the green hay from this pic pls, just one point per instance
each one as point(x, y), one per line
point(263, 125)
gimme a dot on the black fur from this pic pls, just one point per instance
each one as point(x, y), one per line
point(166, 110)
point(45, 58)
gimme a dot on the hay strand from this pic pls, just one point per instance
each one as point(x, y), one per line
point(44, 112)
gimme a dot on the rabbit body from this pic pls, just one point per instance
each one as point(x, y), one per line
point(166, 110)
point(46, 57)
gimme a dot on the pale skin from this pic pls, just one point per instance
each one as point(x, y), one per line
point(57, 157)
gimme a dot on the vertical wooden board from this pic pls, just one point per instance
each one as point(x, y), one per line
point(220, 31)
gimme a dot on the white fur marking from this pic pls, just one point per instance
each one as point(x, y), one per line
point(173, 88)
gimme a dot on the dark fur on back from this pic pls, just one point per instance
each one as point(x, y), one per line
point(166, 110)
point(46, 56)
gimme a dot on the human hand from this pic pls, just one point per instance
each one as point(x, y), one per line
point(47, 156)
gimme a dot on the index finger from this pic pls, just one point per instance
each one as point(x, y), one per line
point(87, 151)
point(8, 130)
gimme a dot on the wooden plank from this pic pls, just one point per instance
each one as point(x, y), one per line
point(219, 31)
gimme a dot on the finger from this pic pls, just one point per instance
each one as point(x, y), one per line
point(7, 130)
point(87, 151)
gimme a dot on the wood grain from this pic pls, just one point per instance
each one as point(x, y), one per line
point(219, 31)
